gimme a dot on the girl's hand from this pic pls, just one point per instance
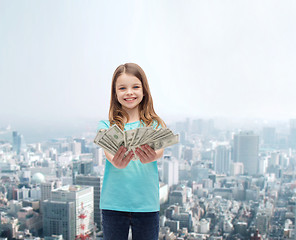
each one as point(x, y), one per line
point(119, 161)
point(146, 155)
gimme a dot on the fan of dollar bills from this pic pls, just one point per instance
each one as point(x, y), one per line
point(113, 138)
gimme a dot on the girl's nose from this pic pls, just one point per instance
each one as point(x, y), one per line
point(129, 90)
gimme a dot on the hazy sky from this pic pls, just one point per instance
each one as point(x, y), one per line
point(202, 58)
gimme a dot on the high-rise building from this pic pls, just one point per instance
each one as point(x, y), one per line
point(246, 150)
point(292, 137)
point(170, 171)
point(46, 189)
point(96, 182)
point(262, 222)
point(269, 136)
point(222, 159)
point(236, 168)
point(83, 145)
point(76, 148)
point(197, 126)
point(203, 127)
point(187, 153)
point(82, 167)
point(80, 196)
point(263, 164)
point(59, 218)
point(98, 156)
point(16, 142)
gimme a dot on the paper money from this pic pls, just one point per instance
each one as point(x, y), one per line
point(113, 138)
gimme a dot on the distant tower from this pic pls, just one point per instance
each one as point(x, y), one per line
point(222, 159)
point(170, 171)
point(197, 126)
point(16, 142)
point(46, 189)
point(76, 147)
point(203, 127)
point(246, 150)
point(59, 218)
point(98, 156)
point(82, 167)
point(292, 137)
point(83, 144)
point(269, 137)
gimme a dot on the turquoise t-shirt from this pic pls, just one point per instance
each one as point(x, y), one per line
point(134, 188)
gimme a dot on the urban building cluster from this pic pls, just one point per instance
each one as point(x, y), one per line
point(215, 184)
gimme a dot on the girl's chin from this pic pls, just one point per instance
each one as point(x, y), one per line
point(129, 108)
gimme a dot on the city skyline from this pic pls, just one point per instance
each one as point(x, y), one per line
point(214, 183)
point(203, 59)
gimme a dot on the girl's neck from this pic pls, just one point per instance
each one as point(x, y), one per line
point(133, 116)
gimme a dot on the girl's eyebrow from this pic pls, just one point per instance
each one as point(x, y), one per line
point(120, 85)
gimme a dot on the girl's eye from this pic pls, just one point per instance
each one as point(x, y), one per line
point(136, 87)
point(121, 88)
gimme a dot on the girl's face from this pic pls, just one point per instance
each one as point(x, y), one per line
point(129, 91)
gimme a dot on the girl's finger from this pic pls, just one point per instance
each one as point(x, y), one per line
point(141, 154)
point(128, 157)
point(121, 156)
point(118, 151)
point(146, 153)
point(121, 153)
point(149, 151)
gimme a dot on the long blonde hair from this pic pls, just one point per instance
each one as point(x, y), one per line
point(146, 110)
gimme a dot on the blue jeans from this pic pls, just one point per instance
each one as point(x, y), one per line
point(145, 225)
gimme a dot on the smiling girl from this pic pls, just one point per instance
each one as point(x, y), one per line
point(130, 192)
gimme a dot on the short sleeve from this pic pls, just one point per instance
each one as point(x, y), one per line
point(103, 124)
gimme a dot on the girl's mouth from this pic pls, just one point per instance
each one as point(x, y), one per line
point(129, 99)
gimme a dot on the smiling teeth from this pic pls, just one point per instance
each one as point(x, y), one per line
point(128, 99)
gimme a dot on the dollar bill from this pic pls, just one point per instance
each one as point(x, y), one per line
point(164, 142)
point(113, 138)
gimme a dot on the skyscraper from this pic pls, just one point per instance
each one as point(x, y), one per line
point(292, 137)
point(269, 136)
point(59, 218)
point(222, 159)
point(53, 216)
point(82, 167)
point(245, 150)
point(16, 142)
point(170, 171)
point(46, 189)
point(83, 144)
point(98, 156)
